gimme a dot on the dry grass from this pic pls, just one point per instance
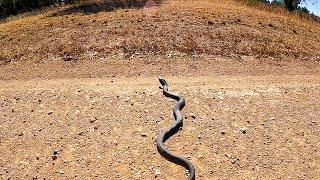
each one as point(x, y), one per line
point(207, 27)
point(281, 10)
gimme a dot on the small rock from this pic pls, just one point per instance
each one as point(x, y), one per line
point(157, 172)
point(223, 133)
point(23, 163)
point(233, 161)
point(20, 134)
point(143, 135)
point(54, 157)
point(93, 119)
point(192, 116)
point(221, 97)
point(68, 58)
point(50, 112)
point(55, 152)
point(115, 142)
point(243, 130)
point(61, 172)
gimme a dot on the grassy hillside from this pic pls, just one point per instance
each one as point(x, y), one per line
point(207, 27)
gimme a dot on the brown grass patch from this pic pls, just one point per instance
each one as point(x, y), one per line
point(207, 27)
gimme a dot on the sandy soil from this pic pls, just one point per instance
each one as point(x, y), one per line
point(237, 125)
point(79, 96)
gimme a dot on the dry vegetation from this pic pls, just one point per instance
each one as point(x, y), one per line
point(79, 96)
point(212, 28)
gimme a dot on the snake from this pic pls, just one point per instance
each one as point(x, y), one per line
point(165, 135)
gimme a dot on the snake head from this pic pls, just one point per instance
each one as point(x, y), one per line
point(163, 82)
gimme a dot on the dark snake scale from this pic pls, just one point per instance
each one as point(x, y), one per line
point(163, 137)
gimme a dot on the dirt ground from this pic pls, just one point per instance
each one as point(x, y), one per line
point(80, 98)
point(243, 120)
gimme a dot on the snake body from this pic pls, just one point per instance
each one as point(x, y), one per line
point(173, 130)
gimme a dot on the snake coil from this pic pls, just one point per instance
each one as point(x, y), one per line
point(173, 130)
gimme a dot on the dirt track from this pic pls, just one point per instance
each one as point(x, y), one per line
point(245, 126)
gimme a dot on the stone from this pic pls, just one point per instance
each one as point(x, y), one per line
point(157, 172)
point(243, 130)
point(192, 116)
point(93, 119)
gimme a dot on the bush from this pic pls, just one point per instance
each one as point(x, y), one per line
point(13, 7)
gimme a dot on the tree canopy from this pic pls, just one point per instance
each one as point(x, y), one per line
point(13, 7)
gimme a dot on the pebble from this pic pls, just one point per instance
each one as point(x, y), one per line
point(157, 172)
point(221, 97)
point(192, 116)
point(115, 142)
point(243, 130)
point(55, 152)
point(93, 119)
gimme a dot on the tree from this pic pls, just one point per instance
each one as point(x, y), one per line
point(292, 4)
point(13, 7)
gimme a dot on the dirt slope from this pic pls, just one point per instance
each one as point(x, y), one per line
point(79, 98)
point(193, 28)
